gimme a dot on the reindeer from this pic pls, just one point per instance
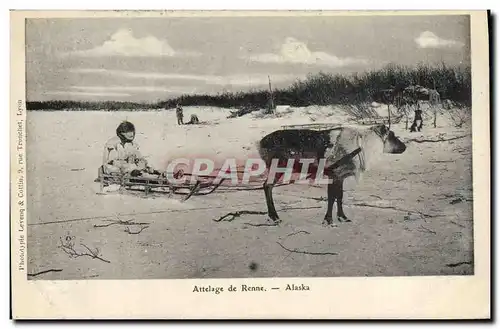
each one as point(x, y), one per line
point(346, 152)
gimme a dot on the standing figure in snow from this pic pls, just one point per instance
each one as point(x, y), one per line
point(417, 122)
point(180, 115)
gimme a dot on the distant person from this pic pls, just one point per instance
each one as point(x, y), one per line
point(180, 114)
point(417, 122)
point(194, 120)
point(122, 155)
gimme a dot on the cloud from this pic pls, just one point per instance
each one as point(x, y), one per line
point(235, 80)
point(429, 39)
point(78, 93)
point(124, 43)
point(296, 52)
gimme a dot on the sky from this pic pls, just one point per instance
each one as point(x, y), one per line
point(150, 59)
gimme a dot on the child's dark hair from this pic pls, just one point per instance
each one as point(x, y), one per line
point(124, 127)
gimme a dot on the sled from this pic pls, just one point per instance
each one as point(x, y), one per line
point(202, 185)
point(313, 126)
point(149, 184)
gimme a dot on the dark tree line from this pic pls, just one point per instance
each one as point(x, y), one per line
point(452, 83)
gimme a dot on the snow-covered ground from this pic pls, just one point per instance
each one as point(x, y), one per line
point(411, 214)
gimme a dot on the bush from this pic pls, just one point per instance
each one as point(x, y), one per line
point(453, 83)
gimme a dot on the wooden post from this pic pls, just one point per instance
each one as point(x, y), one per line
point(271, 99)
point(392, 99)
point(433, 102)
point(389, 111)
point(407, 118)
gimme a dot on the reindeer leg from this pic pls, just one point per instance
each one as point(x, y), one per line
point(331, 200)
point(271, 210)
point(339, 192)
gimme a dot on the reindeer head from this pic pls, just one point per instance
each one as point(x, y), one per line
point(392, 144)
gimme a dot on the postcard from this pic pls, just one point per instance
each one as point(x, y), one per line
point(250, 165)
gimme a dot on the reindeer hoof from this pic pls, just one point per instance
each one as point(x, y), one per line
point(274, 218)
point(343, 218)
point(275, 222)
point(327, 221)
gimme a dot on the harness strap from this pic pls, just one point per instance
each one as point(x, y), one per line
point(361, 156)
point(344, 159)
point(340, 162)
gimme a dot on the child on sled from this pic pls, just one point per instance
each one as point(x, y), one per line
point(122, 155)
